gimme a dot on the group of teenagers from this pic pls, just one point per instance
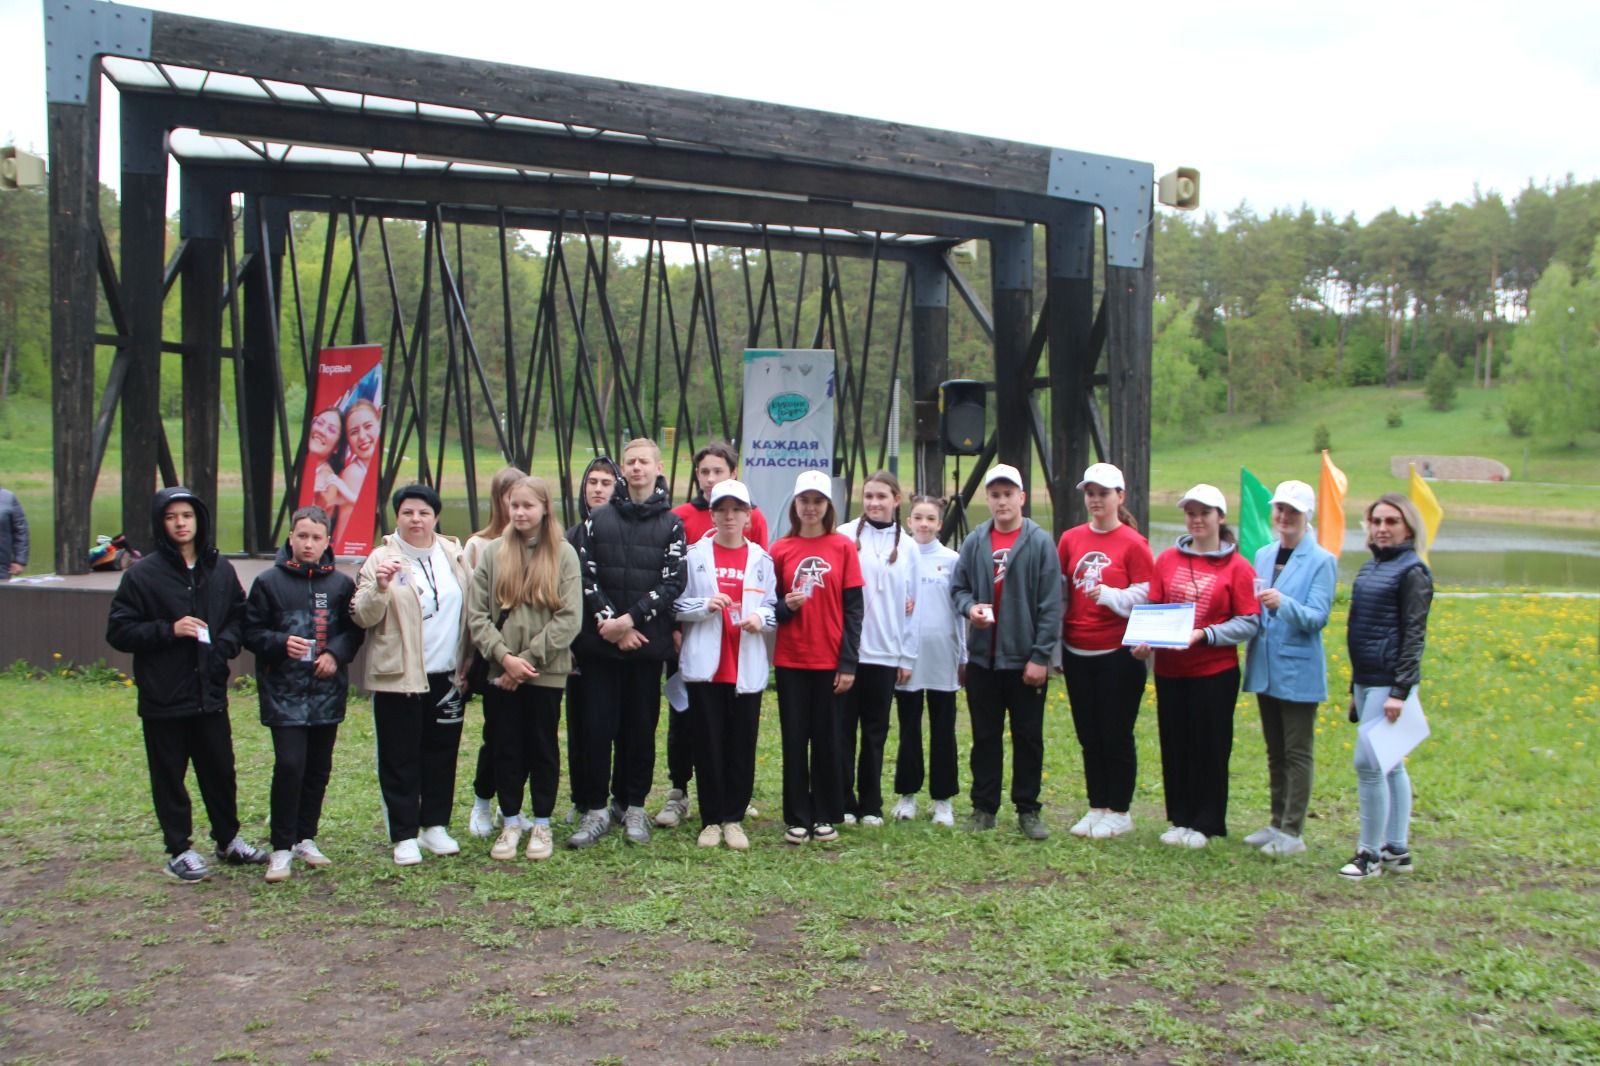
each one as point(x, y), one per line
point(856, 622)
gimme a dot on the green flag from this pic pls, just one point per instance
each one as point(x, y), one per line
point(1255, 515)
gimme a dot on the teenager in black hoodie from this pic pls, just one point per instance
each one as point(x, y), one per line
point(180, 612)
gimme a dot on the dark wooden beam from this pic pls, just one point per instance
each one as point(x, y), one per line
point(144, 232)
point(204, 221)
point(263, 392)
point(1069, 317)
point(1130, 295)
point(1012, 278)
point(930, 365)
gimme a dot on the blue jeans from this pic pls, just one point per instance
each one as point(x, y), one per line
point(1385, 798)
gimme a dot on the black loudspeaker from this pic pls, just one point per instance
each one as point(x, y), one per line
point(961, 417)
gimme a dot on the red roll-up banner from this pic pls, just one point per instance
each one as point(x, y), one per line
point(344, 444)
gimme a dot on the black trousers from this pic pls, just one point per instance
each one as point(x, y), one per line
point(908, 770)
point(990, 695)
point(680, 749)
point(1195, 716)
point(813, 792)
point(417, 746)
point(1105, 691)
point(865, 710)
point(302, 761)
point(621, 708)
point(483, 775)
point(170, 744)
point(721, 726)
point(526, 746)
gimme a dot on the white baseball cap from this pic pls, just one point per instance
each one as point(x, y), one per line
point(814, 481)
point(1209, 495)
point(1003, 472)
point(1296, 494)
point(1104, 475)
point(723, 490)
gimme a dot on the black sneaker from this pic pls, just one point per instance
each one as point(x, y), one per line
point(241, 853)
point(1362, 866)
point(188, 867)
point(1032, 826)
point(1396, 861)
point(980, 822)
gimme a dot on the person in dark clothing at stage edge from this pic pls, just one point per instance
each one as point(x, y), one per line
point(180, 612)
point(632, 554)
point(14, 536)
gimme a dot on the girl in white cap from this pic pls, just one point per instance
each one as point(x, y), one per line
point(1284, 665)
point(1197, 687)
point(1106, 567)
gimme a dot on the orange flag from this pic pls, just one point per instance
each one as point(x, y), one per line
point(1330, 506)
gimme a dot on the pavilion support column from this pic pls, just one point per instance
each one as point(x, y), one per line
point(1012, 276)
point(1069, 254)
point(265, 229)
point(204, 223)
point(144, 231)
point(930, 365)
point(1130, 296)
point(74, 131)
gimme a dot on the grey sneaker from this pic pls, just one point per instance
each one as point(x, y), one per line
point(239, 852)
point(591, 827)
point(980, 822)
point(675, 810)
point(1033, 826)
point(636, 825)
point(188, 867)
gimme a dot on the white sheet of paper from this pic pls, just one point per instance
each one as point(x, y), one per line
point(1393, 741)
point(677, 692)
point(1160, 625)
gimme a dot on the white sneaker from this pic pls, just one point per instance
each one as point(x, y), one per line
point(710, 836)
point(752, 813)
point(944, 814)
point(406, 853)
point(438, 841)
point(1265, 835)
point(480, 823)
point(279, 866)
point(1111, 824)
point(1283, 845)
point(849, 819)
point(733, 835)
point(541, 843)
point(308, 852)
point(904, 809)
point(1174, 835)
point(1085, 826)
point(1193, 838)
point(674, 810)
point(505, 848)
point(872, 820)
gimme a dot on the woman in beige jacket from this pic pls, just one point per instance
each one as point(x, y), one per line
point(525, 609)
point(411, 598)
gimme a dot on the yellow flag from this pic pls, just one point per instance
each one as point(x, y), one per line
point(1427, 506)
point(1330, 506)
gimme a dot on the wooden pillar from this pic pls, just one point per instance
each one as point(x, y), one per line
point(1012, 278)
point(265, 228)
point(144, 230)
point(203, 222)
point(1069, 254)
point(74, 248)
point(930, 365)
point(1130, 295)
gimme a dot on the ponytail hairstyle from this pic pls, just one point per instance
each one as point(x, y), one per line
point(530, 577)
point(1226, 535)
point(1125, 516)
point(892, 483)
point(499, 517)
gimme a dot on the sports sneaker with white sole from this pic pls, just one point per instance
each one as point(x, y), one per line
point(1396, 861)
point(674, 811)
point(438, 841)
point(406, 853)
point(188, 867)
point(1283, 845)
point(591, 827)
point(308, 852)
point(1085, 826)
point(944, 814)
point(636, 826)
point(1362, 865)
point(872, 821)
point(733, 836)
point(849, 819)
point(1193, 838)
point(904, 809)
point(541, 842)
point(240, 852)
point(1174, 835)
point(1111, 824)
point(1262, 837)
point(280, 864)
point(824, 833)
point(710, 836)
point(480, 823)
point(505, 847)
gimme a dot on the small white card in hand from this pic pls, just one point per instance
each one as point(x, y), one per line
point(203, 634)
point(1393, 741)
point(677, 692)
point(1160, 625)
point(311, 652)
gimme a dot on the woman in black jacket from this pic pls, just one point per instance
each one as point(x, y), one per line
point(179, 612)
point(297, 622)
point(1388, 626)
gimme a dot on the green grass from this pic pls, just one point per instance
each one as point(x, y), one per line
point(901, 944)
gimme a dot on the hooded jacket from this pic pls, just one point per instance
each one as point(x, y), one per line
point(178, 676)
point(530, 631)
point(310, 600)
point(1028, 627)
point(632, 556)
point(13, 533)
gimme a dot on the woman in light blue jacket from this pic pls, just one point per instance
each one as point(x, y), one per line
point(1284, 664)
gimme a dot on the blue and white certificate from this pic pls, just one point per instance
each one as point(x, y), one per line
point(1160, 625)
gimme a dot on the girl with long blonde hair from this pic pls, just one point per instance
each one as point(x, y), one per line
point(481, 822)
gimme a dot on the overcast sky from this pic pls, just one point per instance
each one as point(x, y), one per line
point(1349, 107)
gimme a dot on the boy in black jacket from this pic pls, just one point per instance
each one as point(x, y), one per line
point(180, 611)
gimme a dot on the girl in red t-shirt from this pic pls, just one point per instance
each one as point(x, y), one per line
point(819, 631)
point(1196, 688)
point(1106, 568)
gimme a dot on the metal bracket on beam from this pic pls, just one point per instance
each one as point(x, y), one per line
point(1013, 259)
point(77, 32)
point(1119, 187)
point(930, 287)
